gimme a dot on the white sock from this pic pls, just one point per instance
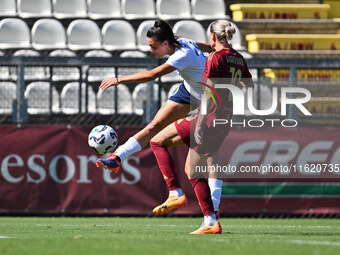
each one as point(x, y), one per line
point(176, 192)
point(215, 186)
point(210, 220)
point(129, 147)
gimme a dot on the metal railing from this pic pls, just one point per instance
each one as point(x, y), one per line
point(20, 113)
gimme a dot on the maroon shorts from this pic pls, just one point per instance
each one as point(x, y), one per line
point(213, 137)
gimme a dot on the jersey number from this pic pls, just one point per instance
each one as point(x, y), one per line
point(235, 79)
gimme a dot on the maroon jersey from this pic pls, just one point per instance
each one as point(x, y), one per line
point(226, 66)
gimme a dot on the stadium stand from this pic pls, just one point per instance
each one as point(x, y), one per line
point(279, 11)
point(104, 9)
point(309, 42)
point(96, 74)
point(69, 99)
point(64, 73)
point(190, 29)
point(14, 33)
point(138, 9)
point(208, 9)
point(8, 92)
point(118, 35)
point(48, 34)
point(83, 34)
point(131, 70)
point(34, 8)
point(106, 100)
point(63, 9)
point(173, 9)
point(141, 34)
point(31, 72)
point(140, 95)
point(7, 8)
point(334, 8)
point(38, 98)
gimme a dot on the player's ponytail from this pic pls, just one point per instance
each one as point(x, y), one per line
point(223, 30)
point(161, 31)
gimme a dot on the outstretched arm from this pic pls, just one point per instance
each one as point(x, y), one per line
point(144, 76)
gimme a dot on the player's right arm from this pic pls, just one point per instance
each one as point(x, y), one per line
point(144, 76)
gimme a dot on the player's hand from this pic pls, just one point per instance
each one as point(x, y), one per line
point(198, 134)
point(108, 83)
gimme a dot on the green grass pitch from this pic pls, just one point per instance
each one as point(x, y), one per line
point(117, 235)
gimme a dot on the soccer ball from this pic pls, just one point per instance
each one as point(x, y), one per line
point(103, 139)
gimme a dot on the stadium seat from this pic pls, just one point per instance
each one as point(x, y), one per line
point(83, 34)
point(173, 9)
point(141, 34)
point(118, 35)
point(237, 38)
point(4, 70)
point(277, 11)
point(131, 70)
point(208, 9)
point(31, 72)
point(133, 54)
point(34, 8)
point(190, 29)
point(173, 89)
point(14, 33)
point(69, 99)
point(63, 9)
point(296, 42)
point(7, 8)
point(104, 9)
point(64, 73)
point(38, 98)
point(138, 9)
point(140, 95)
point(99, 73)
point(106, 100)
point(48, 34)
point(8, 92)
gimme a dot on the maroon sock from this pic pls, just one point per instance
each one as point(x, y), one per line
point(202, 192)
point(166, 164)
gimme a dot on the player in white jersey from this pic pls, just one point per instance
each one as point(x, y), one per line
point(187, 58)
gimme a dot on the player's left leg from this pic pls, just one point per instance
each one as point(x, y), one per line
point(202, 191)
point(159, 144)
point(215, 181)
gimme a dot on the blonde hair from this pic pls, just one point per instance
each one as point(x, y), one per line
point(223, 30)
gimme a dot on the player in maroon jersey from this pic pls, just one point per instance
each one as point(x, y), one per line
point(224, 66)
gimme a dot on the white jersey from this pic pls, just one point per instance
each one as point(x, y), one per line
point(190, 63)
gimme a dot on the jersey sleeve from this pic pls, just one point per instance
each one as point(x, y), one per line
point(178, 59)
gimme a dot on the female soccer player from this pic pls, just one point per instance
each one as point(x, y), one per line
point(225, 66)
point(186, 57)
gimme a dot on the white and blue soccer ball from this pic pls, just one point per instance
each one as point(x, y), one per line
point(103, 139)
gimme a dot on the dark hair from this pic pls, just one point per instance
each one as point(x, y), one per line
point(161, 31)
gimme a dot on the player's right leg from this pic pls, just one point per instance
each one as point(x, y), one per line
point(168, 113)
point(159, 144)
